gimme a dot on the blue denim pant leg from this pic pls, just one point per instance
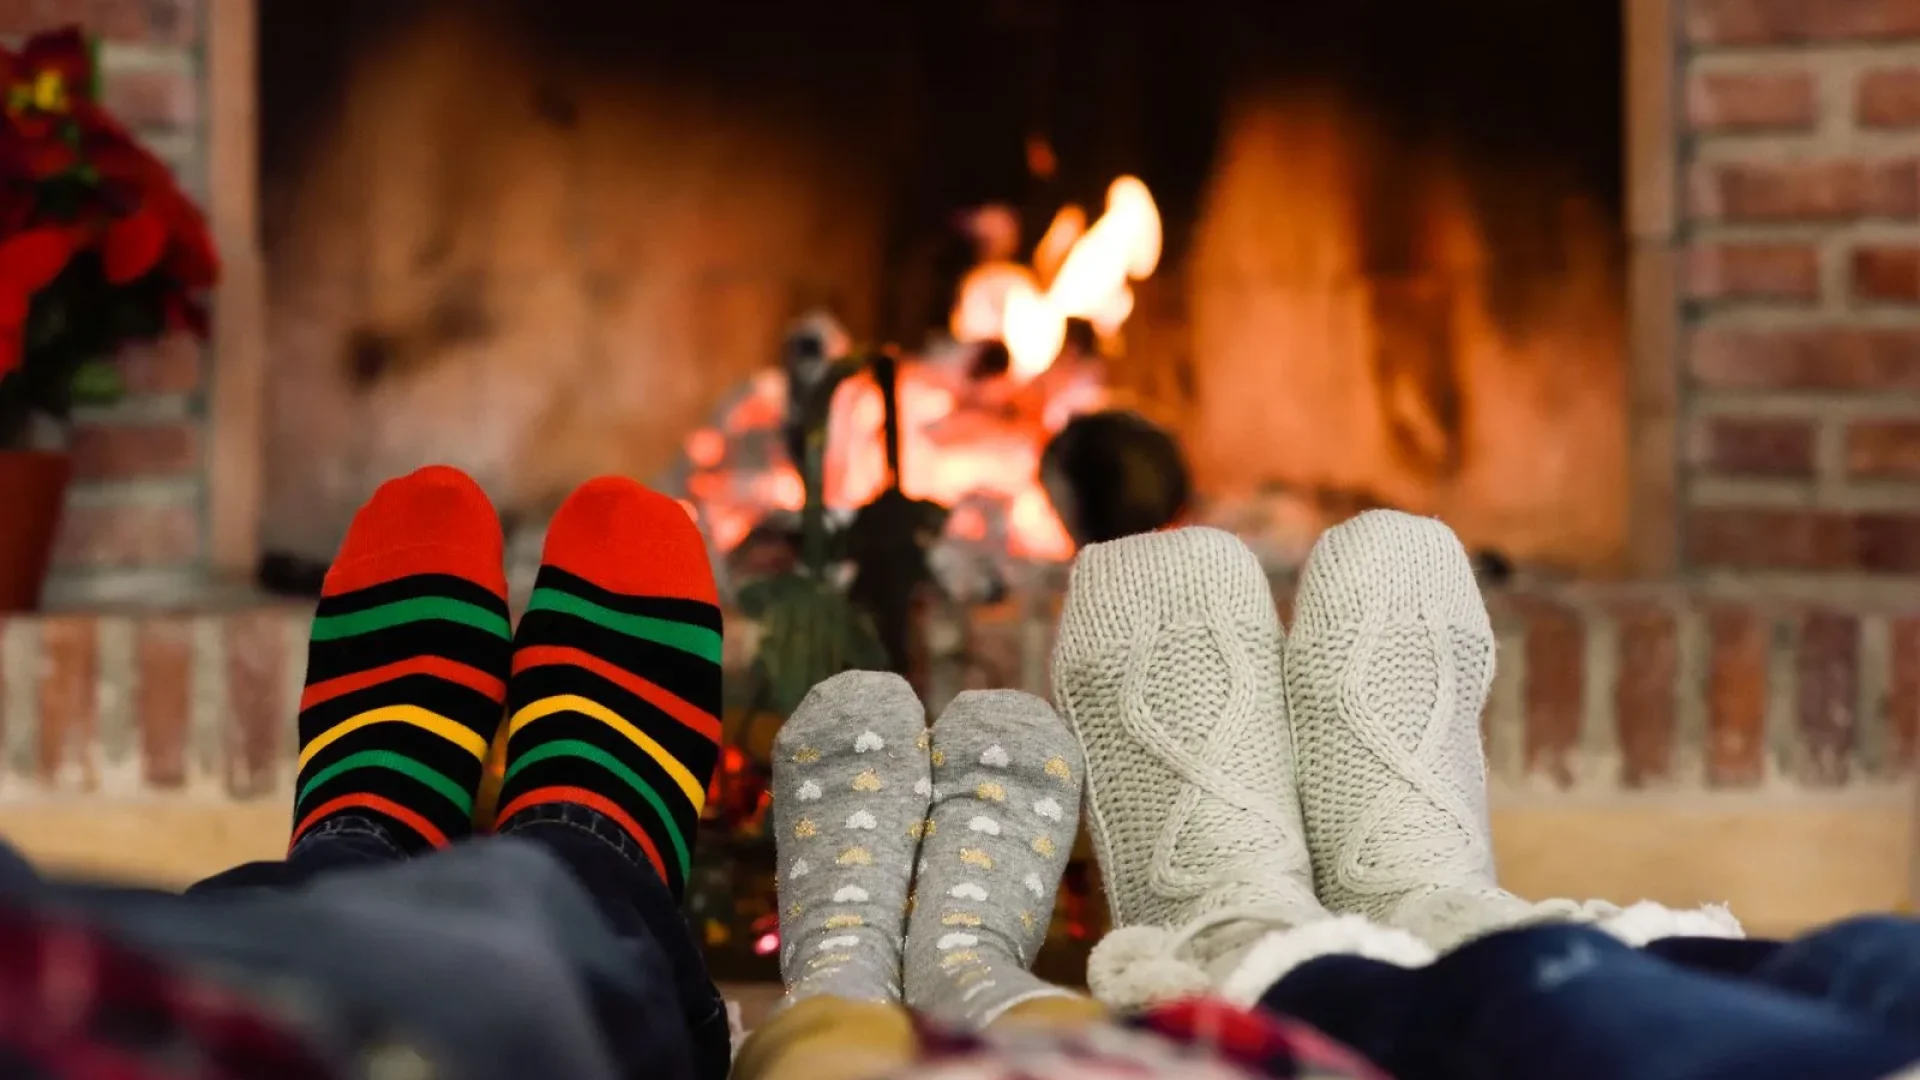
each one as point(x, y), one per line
point(341, 843)
point(1868, 966)
point(1573, 1003)
point(623, 882)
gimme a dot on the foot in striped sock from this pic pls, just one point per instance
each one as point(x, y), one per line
point(406, 665)
point(614, 703)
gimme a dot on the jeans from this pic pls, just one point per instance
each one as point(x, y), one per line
point(553, 950)
point(1573, 1003)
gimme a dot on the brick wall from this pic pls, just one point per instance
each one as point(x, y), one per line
point(1599, 689)
point(1802, 285)
point(1624, 687)
point(136, 520)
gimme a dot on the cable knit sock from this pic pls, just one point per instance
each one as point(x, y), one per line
point(1006, 782)
point(850, 794)
point(1387, 671)
point(1168, 669)
point(407, 664)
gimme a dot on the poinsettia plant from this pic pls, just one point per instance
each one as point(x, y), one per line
point(99, 247)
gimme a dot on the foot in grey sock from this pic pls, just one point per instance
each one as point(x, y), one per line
point(850, 793)
point(1006, 780)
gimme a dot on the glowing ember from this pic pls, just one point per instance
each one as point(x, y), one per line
point(968, 442)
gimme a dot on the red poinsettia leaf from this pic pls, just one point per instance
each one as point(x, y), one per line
point(13, 323)
point(30, 260)
point(133, 246)
point(48, 157)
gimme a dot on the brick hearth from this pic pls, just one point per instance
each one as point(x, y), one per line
point(1598, 689)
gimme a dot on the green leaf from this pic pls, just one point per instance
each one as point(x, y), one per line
point(97, 382)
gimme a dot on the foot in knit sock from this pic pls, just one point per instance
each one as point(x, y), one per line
point(1006, 783)
point(614, 703)
point(1168, 669)
point(1387, 672)
point(406, 665)
point(850, 793)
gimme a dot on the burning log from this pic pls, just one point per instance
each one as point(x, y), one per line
point(1112, 474)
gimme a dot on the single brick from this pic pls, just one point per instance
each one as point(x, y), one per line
point(127, 535)
point(1819, 191)
point(1752, 101)
point(1786, 22)
point(1842, 358)
point(1556, 639)
point(256, 707)
point(1736, 696)
point(1886, 274)
point(1888, 98)
point(69, 659)
point(151, 98)
point(1778, 538)
point(1903, 695)
point(168, 366)
point(1827, 670)
point(164, 655)
point(1644, 702)
point(1753, 445)
point(112, 451)
point(1753, 271)
point(1884, 449)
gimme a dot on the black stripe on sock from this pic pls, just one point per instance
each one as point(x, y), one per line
point(691, 748)
point(572, 725)
point(469, 645)
point(464, 705)
point(412, 587)
point(694, 612)
point(396, 787)
point(406, 740)
point(692, 679)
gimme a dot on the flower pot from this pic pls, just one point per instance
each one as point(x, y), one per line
point(33, 488)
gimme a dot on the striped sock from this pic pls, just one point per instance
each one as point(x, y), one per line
point(614, 702)
point(405, 663)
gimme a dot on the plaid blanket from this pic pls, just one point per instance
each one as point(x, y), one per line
point(75, 1004)
point(1194, 1040)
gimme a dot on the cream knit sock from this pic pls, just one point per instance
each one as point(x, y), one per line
point(1168, 669)
point(1387, 671)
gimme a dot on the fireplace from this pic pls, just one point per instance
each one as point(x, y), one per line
point(1385, 271)
point(1745, 696)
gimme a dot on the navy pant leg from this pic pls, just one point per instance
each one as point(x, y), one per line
point(1573, 1003)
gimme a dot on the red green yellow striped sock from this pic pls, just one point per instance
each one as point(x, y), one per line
point(406, 663)
point(614, 702)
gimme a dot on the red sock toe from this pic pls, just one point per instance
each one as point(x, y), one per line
point(435, 520)
point(625, 536)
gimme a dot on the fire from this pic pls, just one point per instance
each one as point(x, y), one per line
point(966, 442)
point(1078, 272)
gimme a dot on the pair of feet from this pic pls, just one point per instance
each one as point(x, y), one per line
point(1258, 798)
point(975, 815)
point(607, 695)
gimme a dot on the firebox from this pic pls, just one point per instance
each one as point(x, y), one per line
point(1375, 255)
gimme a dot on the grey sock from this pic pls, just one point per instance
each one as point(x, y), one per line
point(850, 793)
point(1006, 779)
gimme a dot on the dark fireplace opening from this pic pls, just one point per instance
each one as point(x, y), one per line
point(542, 242)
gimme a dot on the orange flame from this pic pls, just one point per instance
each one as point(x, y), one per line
point(1085, 271)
